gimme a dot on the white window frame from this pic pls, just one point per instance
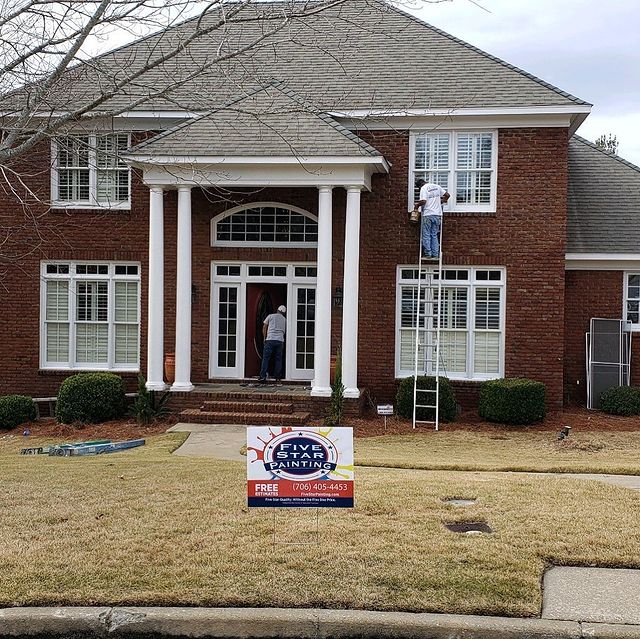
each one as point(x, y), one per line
point(625, 298)
point(253, 205)
point(73, 278)
point(92, 202)
point(471, 284)
point(453, 205)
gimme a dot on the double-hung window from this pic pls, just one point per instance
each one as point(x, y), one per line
point(632, 300)
point(88, 171)
point(464, 163)
point(471, 316)
point(90, 315)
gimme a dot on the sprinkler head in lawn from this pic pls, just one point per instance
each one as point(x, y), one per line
point(470, 527)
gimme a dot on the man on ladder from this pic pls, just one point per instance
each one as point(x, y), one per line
point(432, 197)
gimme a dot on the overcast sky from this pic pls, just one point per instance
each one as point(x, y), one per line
point(590, 48)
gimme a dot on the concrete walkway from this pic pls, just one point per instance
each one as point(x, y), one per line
point(598, 595)
point(220, 441)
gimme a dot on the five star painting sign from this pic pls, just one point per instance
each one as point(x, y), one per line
point(303, 467)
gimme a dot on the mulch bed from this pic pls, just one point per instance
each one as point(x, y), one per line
point(117, 429)
point(580, 419)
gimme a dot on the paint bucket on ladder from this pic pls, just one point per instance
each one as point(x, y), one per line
point(414, 216)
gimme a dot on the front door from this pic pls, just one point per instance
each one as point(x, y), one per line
point(262, 300)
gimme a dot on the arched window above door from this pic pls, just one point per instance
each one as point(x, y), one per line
point(265, 224)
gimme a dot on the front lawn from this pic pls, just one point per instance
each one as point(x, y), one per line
point(143, 527)
point(506, 450)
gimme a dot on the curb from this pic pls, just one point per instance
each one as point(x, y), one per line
point(275, 623)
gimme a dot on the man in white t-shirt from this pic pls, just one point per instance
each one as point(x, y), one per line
point(273, 331)
point(432, 196)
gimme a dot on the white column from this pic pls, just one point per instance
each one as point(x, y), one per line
point(322, 354)
point(183, 293)
point(155, 310)
point(350, 293)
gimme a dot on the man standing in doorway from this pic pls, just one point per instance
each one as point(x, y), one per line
point(273, 330)
point(432, 197)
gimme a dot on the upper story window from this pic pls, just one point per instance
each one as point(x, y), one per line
point(265, 224)
point(88, 171)
point(90, 315)
point(632, 300)
point(462, 162)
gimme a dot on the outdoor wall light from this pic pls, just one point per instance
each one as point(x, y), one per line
point(337, 298)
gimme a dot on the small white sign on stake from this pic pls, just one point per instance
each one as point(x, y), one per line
point(385, 409)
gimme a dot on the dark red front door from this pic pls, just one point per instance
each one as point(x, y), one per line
point(262, 300)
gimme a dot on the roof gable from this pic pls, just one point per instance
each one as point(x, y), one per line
point(269, 122)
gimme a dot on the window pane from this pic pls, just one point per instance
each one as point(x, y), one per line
point(633, 286)
point(57, 308)
point(486, 360)
point(126, 301)
point(92, 301)
point(453, 351)
point(488, 308)
point(126, 344)
point(633, 312)
point(92, 343)
point(57, 344)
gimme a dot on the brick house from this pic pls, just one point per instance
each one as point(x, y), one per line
point(292, 187)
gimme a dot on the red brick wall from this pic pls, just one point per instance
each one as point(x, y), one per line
point(527, 235)
point(590, 294)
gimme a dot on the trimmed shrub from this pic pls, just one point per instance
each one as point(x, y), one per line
point(621, 400)
point(91, 398)
point(16, 410)
point(512, 401)
point(447, 403)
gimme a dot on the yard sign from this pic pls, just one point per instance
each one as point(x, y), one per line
point(299, 467)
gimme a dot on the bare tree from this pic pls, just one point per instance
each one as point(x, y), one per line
point(608, 142)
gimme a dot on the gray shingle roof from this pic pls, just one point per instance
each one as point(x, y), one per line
point(604, 201)
point(268, 122)
point(359, 54)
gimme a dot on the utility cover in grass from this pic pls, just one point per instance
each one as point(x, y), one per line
point(469, 527)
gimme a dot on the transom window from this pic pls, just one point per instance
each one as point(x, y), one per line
point(265, 224)
point(90, 316)
point(463, 163)
point(88, 171)
point(472, 322)
point(632, 300)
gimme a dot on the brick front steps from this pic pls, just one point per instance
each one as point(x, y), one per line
point(230, 404)
point(251, 409)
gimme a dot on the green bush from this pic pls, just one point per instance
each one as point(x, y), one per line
point(621, 400)
point(16, 410)
point(90, 398)
point(336, 403)
point(512, 401)
point(447, 403)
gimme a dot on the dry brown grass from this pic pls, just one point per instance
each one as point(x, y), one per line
point(517, 450)
point(143, 527)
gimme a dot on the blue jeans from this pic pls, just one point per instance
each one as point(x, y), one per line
point(431, 225)
point(272, 349)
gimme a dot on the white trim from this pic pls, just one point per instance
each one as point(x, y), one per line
point(453, 206)
point(601, 261)
point(260, 244)
point(569, 109)
point(92, 202)
point(635, 328)
point(72, 278)
point(240, 159)
point(471, 285)
point(241, 281)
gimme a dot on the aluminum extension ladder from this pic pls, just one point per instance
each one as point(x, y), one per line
point(428, 340)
